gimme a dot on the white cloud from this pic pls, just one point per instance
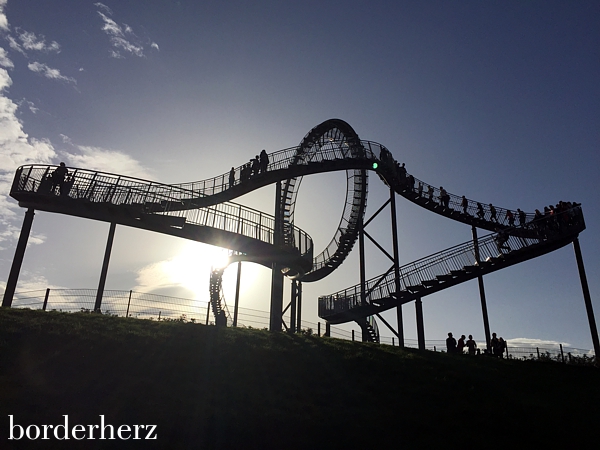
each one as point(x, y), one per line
point(5, 60)
point(30, 105)
point(155, 46)
point(16, 149)
point(32, 42)
point(122, 38)
point(48, 72)
point(104, 7)
point(104, 160)
point(12, 42)
point(3, 21)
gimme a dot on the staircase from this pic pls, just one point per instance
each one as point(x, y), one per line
point(370, 330)
point(217, 301)
point(453, 266)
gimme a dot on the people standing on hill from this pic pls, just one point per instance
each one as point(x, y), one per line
point(420, 189)
point(430, 192)
point(494, 344)
point(471, 345)
point(500, 348)
point(460, 345)
point(465, 204)
point(450, 344)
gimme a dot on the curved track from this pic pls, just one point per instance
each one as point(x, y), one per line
point(203, 211)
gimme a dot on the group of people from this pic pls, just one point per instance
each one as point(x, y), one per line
point(452, 346)
point(558, 217)
point(252, 168)
point(497, 344)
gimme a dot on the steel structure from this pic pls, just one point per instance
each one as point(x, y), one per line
point(203, 211)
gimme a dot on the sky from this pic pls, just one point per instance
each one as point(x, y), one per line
point(495, 100)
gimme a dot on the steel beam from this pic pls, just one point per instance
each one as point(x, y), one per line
point(275, 320)
point(420, 323)
point(587, 298)
point(104, 272)
point(399, 319)
point(15, 269)
point(486, 321)
point(237, 294)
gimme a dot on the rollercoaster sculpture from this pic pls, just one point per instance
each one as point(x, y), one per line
point(203, 211)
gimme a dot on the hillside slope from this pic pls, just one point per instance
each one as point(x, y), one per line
point(205, 387)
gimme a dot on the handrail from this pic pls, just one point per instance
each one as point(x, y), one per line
point(492, 246)
point(149, 198)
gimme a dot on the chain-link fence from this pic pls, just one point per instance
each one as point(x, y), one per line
point(159, 307)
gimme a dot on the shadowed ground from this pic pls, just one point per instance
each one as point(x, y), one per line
point(236, 388)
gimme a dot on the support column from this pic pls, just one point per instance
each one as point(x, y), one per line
point(293, 307)
point(361, 251)
point(237, 294)
point(586, 297)
point(400, 333)
point(15, 269)
point(276, 274)
point(486, 322)
point(299, 309)
point(104, 272)
point(420, 325)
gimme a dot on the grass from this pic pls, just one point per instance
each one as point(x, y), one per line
point(238, 388)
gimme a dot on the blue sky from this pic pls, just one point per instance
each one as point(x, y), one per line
point(498, 101)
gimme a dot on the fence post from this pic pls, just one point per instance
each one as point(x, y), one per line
point(562, 354)
point(319, 329)
point(207, 312)
point(392, 342)
point(353, 336)
point(46, 299)
point(538, 352)
point(327, 329)
point(128, 303)
point(434, 349)
point(159, 315)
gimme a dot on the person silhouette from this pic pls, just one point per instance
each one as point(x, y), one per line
point(58, 176)
point(471, 345)
point(231, 177)
point(450, 344)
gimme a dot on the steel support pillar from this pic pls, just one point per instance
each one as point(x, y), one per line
point(486, 322)
point(237, 294)
point(361, 251)
point(104, 272)
point(293, 307)
point(15, 269)
point(397, 286)
point(275, 320)
point(299, 309)
point(586, 297)
point(420, 323)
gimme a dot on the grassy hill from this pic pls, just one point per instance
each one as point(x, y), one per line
point(205, 387)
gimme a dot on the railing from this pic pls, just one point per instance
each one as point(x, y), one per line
point(159, 307)
point(453, 259)
point(153, 198)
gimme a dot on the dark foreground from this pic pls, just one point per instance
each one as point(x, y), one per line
point(204, 387)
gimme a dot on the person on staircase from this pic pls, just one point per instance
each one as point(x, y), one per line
point(465, 204)
point(264, 161)
point(493, 214)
